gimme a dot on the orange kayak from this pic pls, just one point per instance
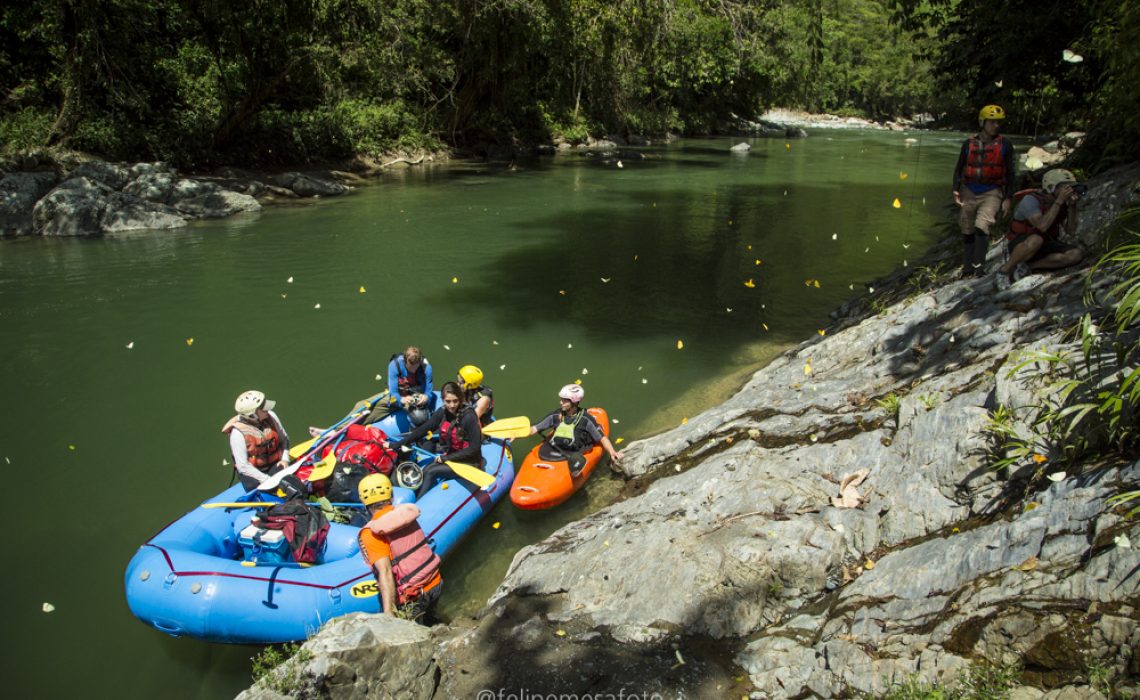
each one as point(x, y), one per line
point(544, 479)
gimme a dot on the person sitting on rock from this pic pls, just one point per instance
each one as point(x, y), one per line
point(1033, 239)
point(258, 441)
point(397, 552)
point(575, 430)
point(410, 384)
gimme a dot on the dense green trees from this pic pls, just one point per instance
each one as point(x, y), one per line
point(199, 82)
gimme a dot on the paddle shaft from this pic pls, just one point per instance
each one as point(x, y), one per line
point(267, 504)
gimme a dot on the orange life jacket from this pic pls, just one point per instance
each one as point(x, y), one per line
point(985, 164)
point(262, 442)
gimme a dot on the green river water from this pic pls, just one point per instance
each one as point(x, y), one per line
point(554, 270)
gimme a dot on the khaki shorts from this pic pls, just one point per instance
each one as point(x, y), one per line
point(979, 210)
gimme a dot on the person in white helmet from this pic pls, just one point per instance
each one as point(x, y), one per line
point(575, 429)
point(1034, 237)
point(258, 440)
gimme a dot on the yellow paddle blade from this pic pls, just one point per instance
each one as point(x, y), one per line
point(324, 468)
point(516, 427)
point(297, 450)
point(473, 474)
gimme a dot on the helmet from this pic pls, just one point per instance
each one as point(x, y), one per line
point(471, 375)
point(572, 392)
point(994, 112)
point(375, 488)
point(1055, 177)
point(248, 403)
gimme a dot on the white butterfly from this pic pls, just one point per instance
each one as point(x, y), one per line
point(290, 280)
point(130, 345)
point(606, 279)
point(998, 83)
point(835, 236)
point(1071, 57)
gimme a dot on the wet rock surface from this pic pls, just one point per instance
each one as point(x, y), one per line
point(728, 570)
point(69, 195)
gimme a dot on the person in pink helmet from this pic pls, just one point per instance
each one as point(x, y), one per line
point(574, 428)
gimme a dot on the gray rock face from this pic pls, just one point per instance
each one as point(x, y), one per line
point(112, 175)
point(19, 193)
point(217, 204)
point(153, 187)
point(306, 186)
point(731, 533)
point(357, 657)
point(127, 212)
point(74, 208)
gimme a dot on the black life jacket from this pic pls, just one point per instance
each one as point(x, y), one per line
point(581, 439)
point(304, 526)
point(475, 395)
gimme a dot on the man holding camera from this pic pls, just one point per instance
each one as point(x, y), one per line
point(1034, 234)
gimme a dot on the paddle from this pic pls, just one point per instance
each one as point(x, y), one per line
point(267, 504)
point(308, 449)
point(516, 427)
point(473, 474)
point(335, 429)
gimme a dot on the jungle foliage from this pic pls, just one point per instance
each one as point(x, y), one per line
point(201, 82)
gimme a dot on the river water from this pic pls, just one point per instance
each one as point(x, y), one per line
point(660, 281)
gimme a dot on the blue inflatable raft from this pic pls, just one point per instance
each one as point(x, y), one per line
point(197, 577)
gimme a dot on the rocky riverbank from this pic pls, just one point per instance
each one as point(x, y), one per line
point(832, 529)
point(69, 194)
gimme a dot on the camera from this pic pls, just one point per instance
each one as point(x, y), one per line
point(1080, 189)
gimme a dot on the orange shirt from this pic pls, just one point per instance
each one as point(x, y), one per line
point(375, 547)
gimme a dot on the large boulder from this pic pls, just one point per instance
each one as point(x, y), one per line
point(217, 204)
point(113, 175)
point(152, 186)
point(74, 208)
point(127, 212)
point(19, 193)
point(357, 657)
point(309, 186)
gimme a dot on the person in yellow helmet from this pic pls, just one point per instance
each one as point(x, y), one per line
point(397, 551)
point(983, 185)
point(478, 395)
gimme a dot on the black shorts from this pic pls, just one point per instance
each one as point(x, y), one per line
point(1049, 246)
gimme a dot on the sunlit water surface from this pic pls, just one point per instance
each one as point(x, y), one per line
point(541, 274)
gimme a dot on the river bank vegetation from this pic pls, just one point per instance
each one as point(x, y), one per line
point(202, 82)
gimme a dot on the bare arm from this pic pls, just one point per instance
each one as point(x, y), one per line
point(1043, 221)
point(387, 583)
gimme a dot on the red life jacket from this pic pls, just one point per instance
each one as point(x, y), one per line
point(262, 443)
point(1020, 227)
point(985, 164)
point(414, 564)
point(451, 435)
